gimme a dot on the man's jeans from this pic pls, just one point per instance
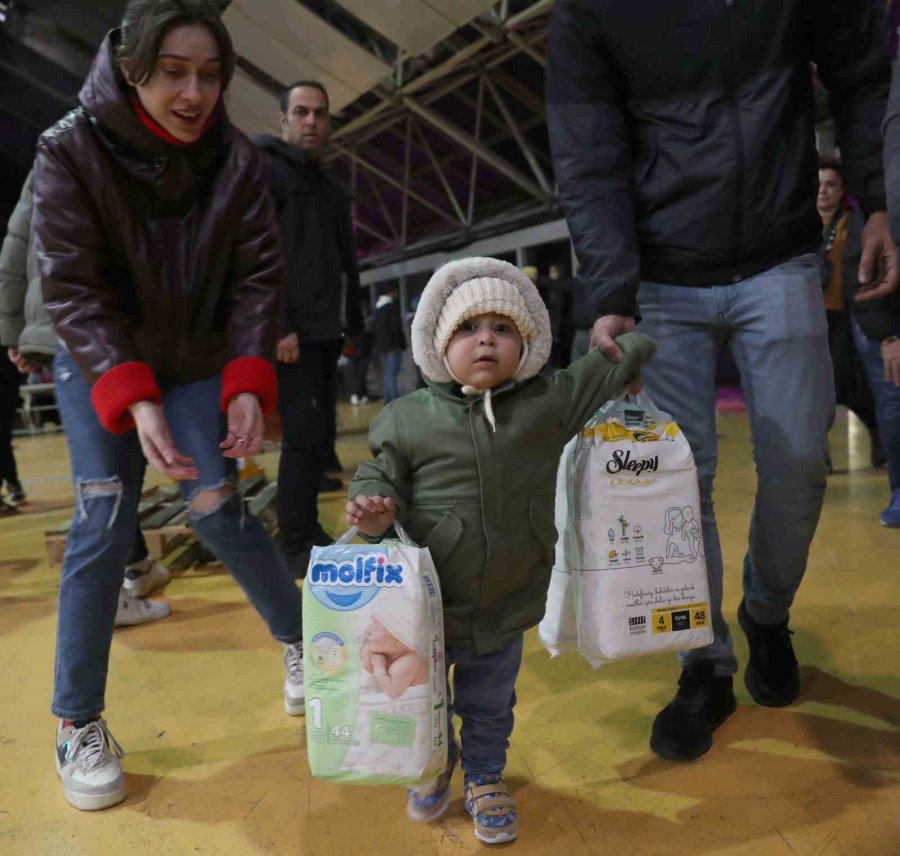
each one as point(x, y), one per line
point(483, 697)
point(107, 471)
point(391, 363)
point(887, 401)
point(775, 325)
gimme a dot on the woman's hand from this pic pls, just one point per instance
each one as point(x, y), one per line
point(245, 427)
point(372, 514)
point(156, 442)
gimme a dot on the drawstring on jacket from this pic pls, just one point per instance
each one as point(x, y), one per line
point(474, 390)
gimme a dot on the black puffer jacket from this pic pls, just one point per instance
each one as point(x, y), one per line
point(683, 132)
point(323, 296)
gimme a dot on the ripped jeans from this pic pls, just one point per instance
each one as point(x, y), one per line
point(107, 473)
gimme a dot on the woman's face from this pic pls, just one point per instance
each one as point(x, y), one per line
point(186, 83)
point(831, 191)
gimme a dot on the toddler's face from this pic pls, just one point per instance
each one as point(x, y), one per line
point(484, 351)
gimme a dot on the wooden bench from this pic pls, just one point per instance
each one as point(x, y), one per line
point(165, 526)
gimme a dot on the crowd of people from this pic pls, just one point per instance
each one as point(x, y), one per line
point(153, 243)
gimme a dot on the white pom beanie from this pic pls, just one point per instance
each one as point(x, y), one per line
point(469, 287)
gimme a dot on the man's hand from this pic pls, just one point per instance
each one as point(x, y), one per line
point(878, 272)
point(372, 514)
point(890, 352)
point(156, 442)
point(20, 362)
point(245, 427)
point(288, 349)
point(606, 329)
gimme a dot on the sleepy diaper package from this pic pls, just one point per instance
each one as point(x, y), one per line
point(373, 660)
point(630, 571)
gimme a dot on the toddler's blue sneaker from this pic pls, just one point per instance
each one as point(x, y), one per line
point(428, 803)
point(891, 515)
point(492, 808)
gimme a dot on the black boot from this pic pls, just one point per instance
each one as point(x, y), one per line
point(772, 674)
point(683, 729)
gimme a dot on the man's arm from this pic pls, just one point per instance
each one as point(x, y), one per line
point(589, 143)
point(849, 46)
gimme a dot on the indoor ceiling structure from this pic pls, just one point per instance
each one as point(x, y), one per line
point(438, 104)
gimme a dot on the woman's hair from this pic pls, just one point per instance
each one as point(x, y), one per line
point(146, 23)
point(832, 163)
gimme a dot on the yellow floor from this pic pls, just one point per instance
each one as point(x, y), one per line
point(215, 767)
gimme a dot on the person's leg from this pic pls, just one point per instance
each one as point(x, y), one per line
point(300, 468)
point(393, 361)
point(9, 397)
point(689, 326)
point(216, 511)
point(332, 352)
point(781, 347)
point(106, 476)
point(386, 395)
point(887, 405)
point(484, 696)
point(106, 472)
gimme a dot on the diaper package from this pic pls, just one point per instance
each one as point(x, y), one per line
point(630, 565)
point(373, 659)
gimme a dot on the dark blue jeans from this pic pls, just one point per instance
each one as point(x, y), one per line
point(107, 471)
point(391, 363)
point(887, 401)
point(483, 696)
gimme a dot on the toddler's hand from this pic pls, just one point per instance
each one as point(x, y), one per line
point(373, 515)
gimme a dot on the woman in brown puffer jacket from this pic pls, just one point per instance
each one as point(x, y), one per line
point(161, 271)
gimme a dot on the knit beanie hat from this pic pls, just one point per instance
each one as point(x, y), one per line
point(468, 287)
point(484, 285)
point(478, 297)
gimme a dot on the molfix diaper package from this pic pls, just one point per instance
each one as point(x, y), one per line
point(373, 660)
point(630, 570)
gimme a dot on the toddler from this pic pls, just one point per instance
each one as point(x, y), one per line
point(468, 466)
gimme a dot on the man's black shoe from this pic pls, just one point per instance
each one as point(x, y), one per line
point(772, 674)
point(330, 485)
point(683, 729)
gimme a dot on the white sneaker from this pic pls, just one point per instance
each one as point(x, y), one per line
point(145, 576)
point(87, 761)
point(364, 399)
point(134, 611)
point(294, 695)
point(354, 399)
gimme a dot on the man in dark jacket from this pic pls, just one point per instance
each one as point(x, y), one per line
point(322, 303)
point(683, 142)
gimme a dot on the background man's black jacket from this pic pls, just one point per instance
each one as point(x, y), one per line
point(323, 295)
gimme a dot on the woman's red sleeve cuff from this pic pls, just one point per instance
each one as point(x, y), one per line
point(119, 388)
point(254, 375)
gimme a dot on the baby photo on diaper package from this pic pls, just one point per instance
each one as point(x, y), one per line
point(373, 664)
